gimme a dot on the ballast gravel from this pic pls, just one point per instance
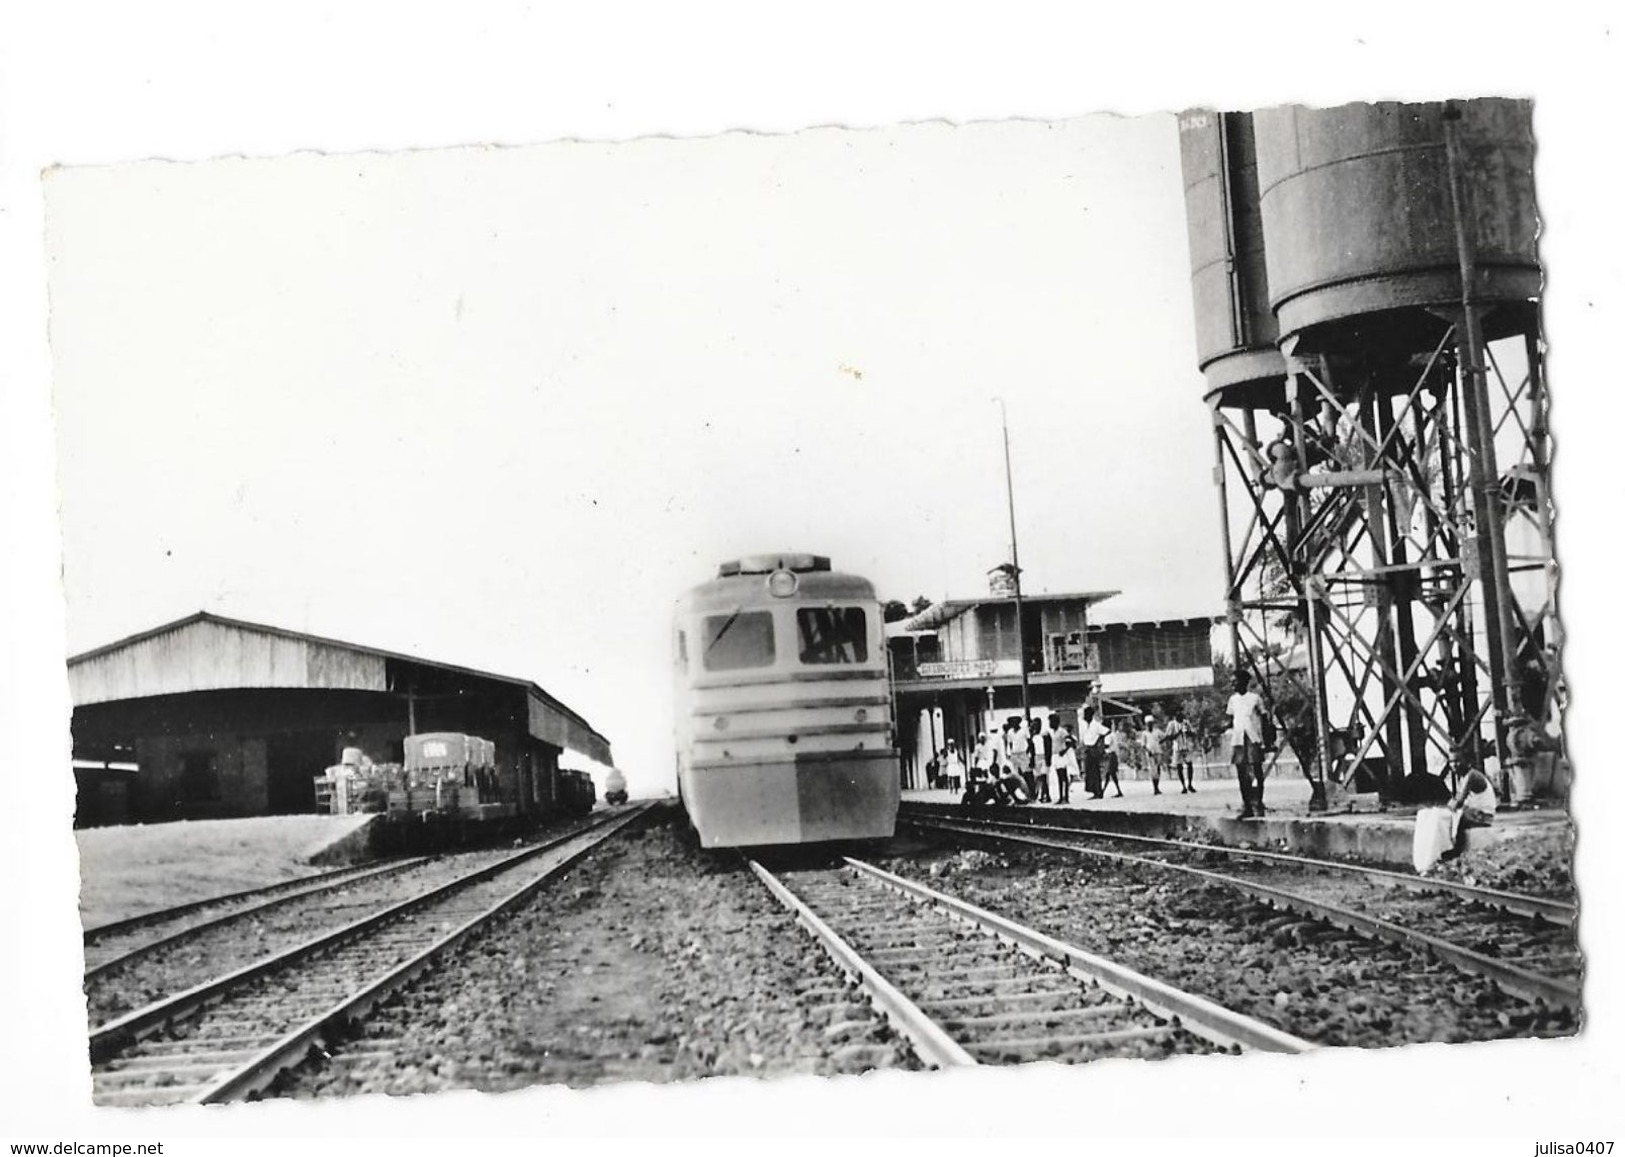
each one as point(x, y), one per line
point(1307, 978)
point(223, 949)
point(649, 961)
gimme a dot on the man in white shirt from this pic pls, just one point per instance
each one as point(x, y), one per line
point(1017, 764)
point(1011, 741)
point(1092, 739)
point(1043, 746)
point(1475, 804)
point(1152, 737)
point(1247, 746)
point(1115, 739)
point(983, 759)
point(1177, 737)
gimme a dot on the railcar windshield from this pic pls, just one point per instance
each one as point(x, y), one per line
point(833, 634)
point(738, 640)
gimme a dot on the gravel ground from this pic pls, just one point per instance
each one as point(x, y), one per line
point(1521, 855)
point(650, 961)
point(1305, 978)
point(1542, 867)
point(1536, 945)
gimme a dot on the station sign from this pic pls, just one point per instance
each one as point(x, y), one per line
point(968, 669)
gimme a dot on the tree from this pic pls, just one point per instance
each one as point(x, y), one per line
point(893, 610)
point(1292, 698)
point(1205, 712)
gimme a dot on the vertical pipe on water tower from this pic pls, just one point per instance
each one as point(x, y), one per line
point(1232, 599)
point(1484, 477)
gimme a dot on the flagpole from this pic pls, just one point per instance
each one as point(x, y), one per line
point(1015, 565)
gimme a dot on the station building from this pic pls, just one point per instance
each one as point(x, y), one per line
point(209, 717)
point(1152, 662)
point(956, 666)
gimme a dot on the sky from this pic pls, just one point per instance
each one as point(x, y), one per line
point(499, 406)
point(135, 423)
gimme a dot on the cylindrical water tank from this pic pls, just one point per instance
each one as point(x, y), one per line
point(1235, 329)
point(1358, 219)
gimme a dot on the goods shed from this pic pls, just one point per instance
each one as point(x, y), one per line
point(210, 717)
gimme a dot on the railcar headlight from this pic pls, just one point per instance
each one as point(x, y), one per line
point(781, 584)
point(861, 715)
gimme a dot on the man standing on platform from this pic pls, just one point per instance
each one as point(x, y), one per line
point(1247, 746)
point(984, 759)
point(1152, 738)
point(1093, 741)
point(1064, 762)
point(1018, 750)
point(1043, 745)
point(1116, 742)
point(1177, 735)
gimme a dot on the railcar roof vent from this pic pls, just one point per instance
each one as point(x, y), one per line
point(768, 563)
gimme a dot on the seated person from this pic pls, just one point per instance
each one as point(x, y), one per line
point(1475, 802)
point(1012, 785)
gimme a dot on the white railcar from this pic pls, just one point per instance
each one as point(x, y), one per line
point(784, 728)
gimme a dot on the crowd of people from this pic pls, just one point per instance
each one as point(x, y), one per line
point(1038, 760)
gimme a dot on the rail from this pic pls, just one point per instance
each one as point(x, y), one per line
point(259, 1072)
point(982, 999)
point(1519, 903)
point(931, 1043)
point(109, 1039)
point(97, 971)
point(159, 915)
point(1214, 1022)
point(1511, 977)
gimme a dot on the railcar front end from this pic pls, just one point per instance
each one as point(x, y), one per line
point(784, 709)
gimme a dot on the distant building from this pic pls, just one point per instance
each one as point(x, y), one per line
point(1150, 661)
point(957, 665)
point(210, 717)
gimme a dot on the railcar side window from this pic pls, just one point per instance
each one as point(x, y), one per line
point(833, 634)
point(682, 651)
point(742, 639)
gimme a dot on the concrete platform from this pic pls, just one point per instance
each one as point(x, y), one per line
point(1213, 812)
point(350, 843)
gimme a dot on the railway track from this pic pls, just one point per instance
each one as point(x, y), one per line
point(238, 939)
point(123, 942)
point(1547, 908)
point(229, 1038)
point(1525, 944)
point(140, 920)
point(966, 986)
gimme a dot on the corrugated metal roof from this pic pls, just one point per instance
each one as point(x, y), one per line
point(584, 739)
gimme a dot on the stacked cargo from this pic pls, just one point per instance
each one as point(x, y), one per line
point(448, 773)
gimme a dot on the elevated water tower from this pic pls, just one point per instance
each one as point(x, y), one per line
point(1371, 477)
